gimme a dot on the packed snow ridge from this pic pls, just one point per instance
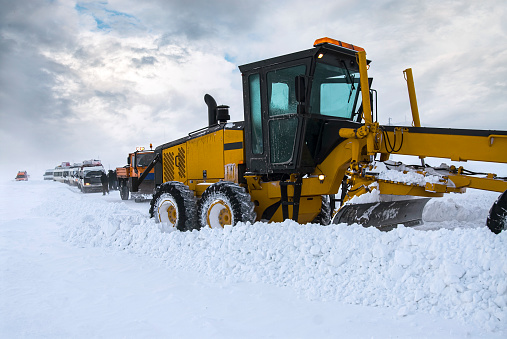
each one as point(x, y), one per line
point(405, 174)
point(456, 271)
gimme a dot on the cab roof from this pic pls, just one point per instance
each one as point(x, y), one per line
point(320, 46)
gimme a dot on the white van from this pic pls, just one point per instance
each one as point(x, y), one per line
point(61, 172)
point(73, 179)
point(48, 175)
point(58, 174)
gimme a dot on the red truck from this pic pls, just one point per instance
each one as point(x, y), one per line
point(22, 176)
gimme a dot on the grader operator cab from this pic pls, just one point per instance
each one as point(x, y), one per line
point(308, 130)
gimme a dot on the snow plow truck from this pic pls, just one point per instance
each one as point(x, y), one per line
point(128, 175)
point(21, 176)
point(310, 130)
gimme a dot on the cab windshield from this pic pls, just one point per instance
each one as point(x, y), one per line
point(92, 174)
point(145, 159)
point(335, 91)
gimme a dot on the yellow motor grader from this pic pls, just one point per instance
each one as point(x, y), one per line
point(308, 131)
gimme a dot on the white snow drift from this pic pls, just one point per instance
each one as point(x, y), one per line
point(457, 270)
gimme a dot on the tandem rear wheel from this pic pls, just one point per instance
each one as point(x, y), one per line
point(224, 203)
point(173, 205)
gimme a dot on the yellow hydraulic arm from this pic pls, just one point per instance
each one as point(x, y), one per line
point(457, 145)
point(454, 144)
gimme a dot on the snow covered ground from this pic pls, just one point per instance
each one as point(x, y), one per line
point(81, 266)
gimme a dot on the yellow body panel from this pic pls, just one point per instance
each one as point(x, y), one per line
point(205, 159)
point(174, 160)
point(267, 194)
point(233, 154)
point(206, 156)
point(309, 208)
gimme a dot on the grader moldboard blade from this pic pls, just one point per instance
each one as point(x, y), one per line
point(383, 215)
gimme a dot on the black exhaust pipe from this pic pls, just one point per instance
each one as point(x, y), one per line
point(212, 105)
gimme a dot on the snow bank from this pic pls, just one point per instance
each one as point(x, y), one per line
point(402, 173)
point(460, 273)
point(455, 210)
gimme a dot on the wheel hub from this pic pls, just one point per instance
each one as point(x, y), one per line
point(219, 214)
point(171, 214)
point(167, 212)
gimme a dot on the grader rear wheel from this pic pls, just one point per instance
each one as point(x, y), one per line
point(173, 205)
point(224, 203)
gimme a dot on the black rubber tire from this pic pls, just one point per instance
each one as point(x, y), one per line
point(497, 219)
point(229, 196)
point(324, 217)
point(180, 199)
point(124, 191)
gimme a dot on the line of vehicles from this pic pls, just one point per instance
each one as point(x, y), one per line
point(86, 175)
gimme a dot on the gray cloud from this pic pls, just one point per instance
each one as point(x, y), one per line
point(145, 60)
point(33, 22)
point(200, 19)
point(80, 80)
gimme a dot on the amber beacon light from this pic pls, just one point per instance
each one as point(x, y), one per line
point(337, 43)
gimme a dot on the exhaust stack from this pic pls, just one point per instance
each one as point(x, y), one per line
point(212, 105)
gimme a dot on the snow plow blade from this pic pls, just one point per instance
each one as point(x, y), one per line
point(383, 215)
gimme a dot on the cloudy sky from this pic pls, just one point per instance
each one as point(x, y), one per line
point(95, 79)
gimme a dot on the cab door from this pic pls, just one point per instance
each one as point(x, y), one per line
point(283, 122)
point(273, 127)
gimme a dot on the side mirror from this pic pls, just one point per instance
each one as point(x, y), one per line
point(300, 88)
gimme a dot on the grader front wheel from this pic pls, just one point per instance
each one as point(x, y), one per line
point(224, 203)
point(324, 216)
point(497, 219)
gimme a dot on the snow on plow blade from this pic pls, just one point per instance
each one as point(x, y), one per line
point(383, 215)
